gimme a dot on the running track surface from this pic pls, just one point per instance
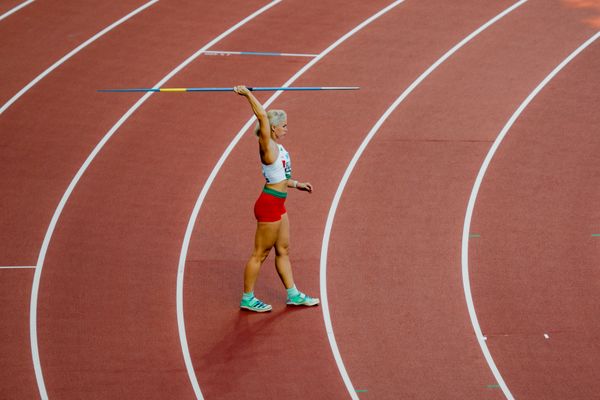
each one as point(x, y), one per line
point(106, 312)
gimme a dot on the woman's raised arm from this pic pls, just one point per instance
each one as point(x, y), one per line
point(264, 132)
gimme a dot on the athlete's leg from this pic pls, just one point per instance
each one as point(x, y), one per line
point(284, 267)
point(282, 259)
point(264, 240)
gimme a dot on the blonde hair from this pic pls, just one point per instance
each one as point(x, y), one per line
point(276, 118)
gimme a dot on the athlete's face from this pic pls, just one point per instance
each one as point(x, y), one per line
point(280, 131)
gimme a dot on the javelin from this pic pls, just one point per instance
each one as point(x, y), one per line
point(224, 89)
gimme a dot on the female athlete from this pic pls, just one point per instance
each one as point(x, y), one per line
point(273, 228)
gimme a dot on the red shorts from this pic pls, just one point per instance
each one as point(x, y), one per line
point(270, 205)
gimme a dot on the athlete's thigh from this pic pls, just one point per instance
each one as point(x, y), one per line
point(283, 238)
point(266, 235)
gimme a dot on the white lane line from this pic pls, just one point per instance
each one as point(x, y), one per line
point(370, 135)
point(72, 53)
point(471, 206)
point(67, 194)
point(40, 263)
point(225, 155)
point(18, 267)
point(363, 146)
point(15, 9)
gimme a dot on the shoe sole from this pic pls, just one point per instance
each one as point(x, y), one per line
point(257, 309)
point(310, 304)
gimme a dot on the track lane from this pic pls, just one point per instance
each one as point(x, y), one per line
point(49, 135)
point(43, 149)
point(224, 157)
point(72, 53)
point(126, 353)
point(323, 109)
point(18, 381)
point(32, 39)
point(343, 182)
point(8, 8)
point(142, 189)
point(408, 237)
point(251, 329)
point(40, 34)
point(538, 300)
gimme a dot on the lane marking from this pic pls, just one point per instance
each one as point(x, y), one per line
point(15, 9)
point(516, 334)
point(221, 161)
point(18, 267)
point(363, 146)
point(471, 207)
point(40, 263)
point(595, 234)
point(474, 235)
point(67, 194)
point(256, 53)
point(72, 53)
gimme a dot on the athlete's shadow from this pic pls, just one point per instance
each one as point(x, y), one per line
point(236, 353)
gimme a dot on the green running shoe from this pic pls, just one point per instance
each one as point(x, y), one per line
point(302, 300)
point(255, 305)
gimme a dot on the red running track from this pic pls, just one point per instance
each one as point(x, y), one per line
point(539, 200)
point(107, 324)
point(41, 33)
point(427, 154)
point(10, 5)
point(104, 337)
point(50, 132)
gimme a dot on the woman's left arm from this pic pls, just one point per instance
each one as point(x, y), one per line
point(305, 186)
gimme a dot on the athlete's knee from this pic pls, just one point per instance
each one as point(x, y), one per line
point(261, 255)
point(282, 249)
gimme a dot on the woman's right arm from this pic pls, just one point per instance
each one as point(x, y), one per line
point(264, 133)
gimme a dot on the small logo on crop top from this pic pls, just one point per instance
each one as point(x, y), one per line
point(287, 167)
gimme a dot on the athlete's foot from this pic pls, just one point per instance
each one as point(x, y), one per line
point(255, 305)
point(302, 300)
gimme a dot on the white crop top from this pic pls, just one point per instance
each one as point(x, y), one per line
point(280, 170)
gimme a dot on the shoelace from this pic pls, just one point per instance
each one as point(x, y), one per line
point(258, 304)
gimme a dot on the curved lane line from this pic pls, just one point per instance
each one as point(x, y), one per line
point(67, 194)
point(471, 207)
point(15, 9)
point(358, 154)
point(72, 53)
point(217, 168)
